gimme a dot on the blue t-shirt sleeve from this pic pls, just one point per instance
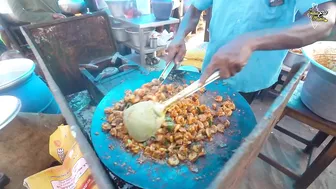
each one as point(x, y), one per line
point(202, 4)
point(304, 5)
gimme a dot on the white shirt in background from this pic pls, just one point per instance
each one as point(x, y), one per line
point(4, 7)
point(176, 4)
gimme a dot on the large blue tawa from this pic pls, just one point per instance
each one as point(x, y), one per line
point(152, 175)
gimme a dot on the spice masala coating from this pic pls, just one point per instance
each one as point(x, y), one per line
point(188, 124)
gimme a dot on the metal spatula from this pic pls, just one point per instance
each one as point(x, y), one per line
point(191, 89)
point(169, 67)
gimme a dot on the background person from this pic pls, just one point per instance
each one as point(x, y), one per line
point(35, 11)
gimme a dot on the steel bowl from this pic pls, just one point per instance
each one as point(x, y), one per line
point(293, 58)
point(319, 89)
point(71, 6)
point(134, 36)
point(117, 7)
point(119, 33)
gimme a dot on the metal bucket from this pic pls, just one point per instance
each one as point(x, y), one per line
point(119, 33)
point(319, 89)
point(134, 36)
point(17, 78)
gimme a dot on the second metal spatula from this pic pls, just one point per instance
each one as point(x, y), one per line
point(169, 67)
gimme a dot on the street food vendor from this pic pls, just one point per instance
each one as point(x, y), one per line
point(35, 11)
point(249, 38)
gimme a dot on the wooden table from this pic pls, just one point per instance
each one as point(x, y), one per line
point(297, 110)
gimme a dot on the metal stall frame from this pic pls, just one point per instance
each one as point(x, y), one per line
point(141, 23)
point(231, 175)
point(233, 172)
point(98, 171)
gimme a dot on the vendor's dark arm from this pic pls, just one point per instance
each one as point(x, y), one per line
point(189, 22)
point(177, 48)
point(300, 34)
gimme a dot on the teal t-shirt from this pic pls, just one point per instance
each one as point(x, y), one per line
point(231, 18)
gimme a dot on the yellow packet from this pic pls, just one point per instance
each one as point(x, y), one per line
point(60, 142)
point(73, 174)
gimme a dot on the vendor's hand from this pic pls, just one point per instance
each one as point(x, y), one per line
point(57, 16)
point(229, 60)
point(176, 51)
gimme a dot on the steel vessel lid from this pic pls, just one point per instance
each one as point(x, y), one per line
point(14, 71)
point(10, 107)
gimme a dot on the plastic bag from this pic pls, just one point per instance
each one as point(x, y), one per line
point(60, 143)
point(163, 38)
point(74, 173)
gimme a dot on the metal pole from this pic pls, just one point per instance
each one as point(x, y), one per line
point(142, 47)
point(98, 172)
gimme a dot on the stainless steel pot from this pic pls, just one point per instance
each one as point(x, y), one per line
point(134, 36)
point(293, 58)
point(319, 89)
point(119, 32)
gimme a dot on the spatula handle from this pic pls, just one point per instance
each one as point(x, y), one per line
point(191, 89)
